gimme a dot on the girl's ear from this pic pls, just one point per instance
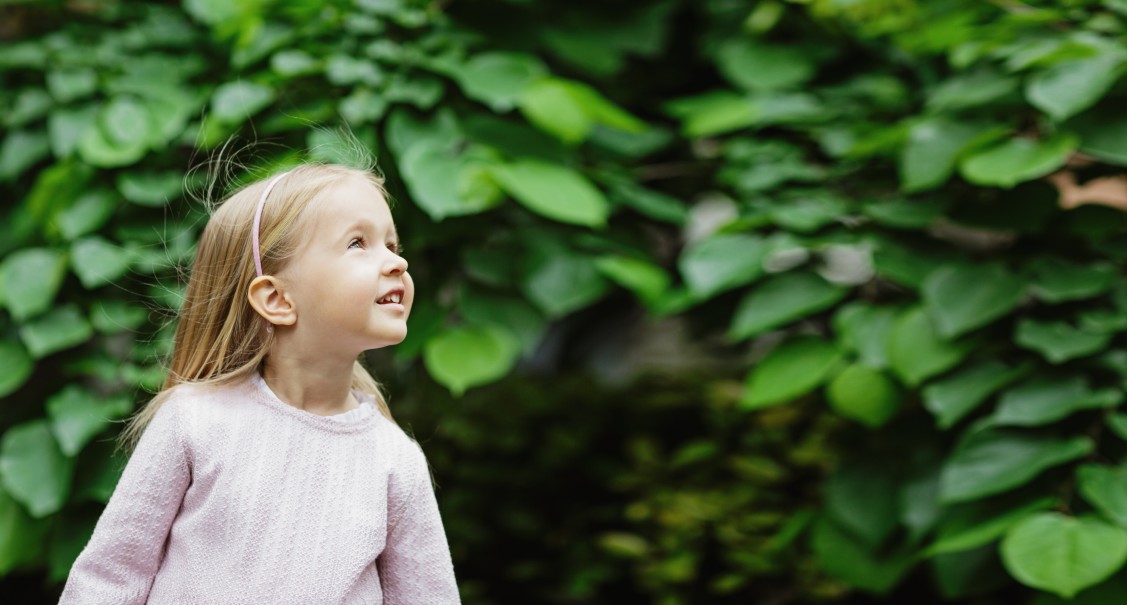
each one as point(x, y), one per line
point(269, 299)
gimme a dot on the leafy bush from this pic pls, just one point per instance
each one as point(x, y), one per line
point(872, 210)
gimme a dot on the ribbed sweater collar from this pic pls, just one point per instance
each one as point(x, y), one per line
point(262, 393)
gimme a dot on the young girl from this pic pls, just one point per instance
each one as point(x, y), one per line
point(268, 470)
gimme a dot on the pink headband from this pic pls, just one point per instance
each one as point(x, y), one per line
point(258, 220)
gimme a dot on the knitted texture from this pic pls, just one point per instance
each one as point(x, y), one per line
point(234, 496)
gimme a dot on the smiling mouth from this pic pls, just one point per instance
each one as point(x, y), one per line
point(394, 297)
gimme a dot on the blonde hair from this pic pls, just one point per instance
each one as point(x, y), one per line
point(220, 338)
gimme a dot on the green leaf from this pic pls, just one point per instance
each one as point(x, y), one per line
point(930, 153)
point(66, 127)
point(114, 316)
point(714, 113)
point(498, 78)
point(792, 369)
point(780, 300)
point(907, 265)
point(554, 191)
point(1069, 87)
point(961, 298)
point(77, 416)
point(1017, 160)
point(561, 283)
point(507, 312)
point(70, 535)
point(722, 262)
point(642, 277)
point(1057, 280)
point(1044, 399)
point(1063, 555)
point(862, 498)
point(405, 130)
point(844, 558)
point(152, 189)
point(97, 261)
point(345, 70)
point(548, 104)
point(21, 150)
point(906, 213)
point(915, 350)
point(1103, 134)
point(569, 110)
point(30, 278)
point(1059, 341)
point(88, 214)
point(33, 469)
point(971, 89)
point(444, 184)
point(864, 329)
point(236, 102)
point(969, 573)
point(67, 85)
point(808, 212)
point(951, 399)
point(992, 461)
point(333, 146)
point(98, 149)
point(29, 105)
point(975, 524)
point(293, 62)
point(1105, 488)
point(61, 328)
point(21, 537)
point(17, 365)
point(864, 395)
point(756, 66)
point(1118, 425)
point(465, 357)
point(125, 122)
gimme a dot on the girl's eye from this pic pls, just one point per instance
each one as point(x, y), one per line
point(395, 248)
point(358, 240)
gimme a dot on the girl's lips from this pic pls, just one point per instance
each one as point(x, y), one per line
point(392, 306)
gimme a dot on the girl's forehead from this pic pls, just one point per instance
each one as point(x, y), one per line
point(349, 202)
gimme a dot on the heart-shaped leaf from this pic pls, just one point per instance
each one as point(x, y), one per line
point(961, 298)
point(1059, 341)
point(1046, 398)
point(992, 461)
point(791, 369)
point(950, 399)
point(465, 357)
point(33, 469)
point(1105, 487)
point(554, 191)
point(1016, 160)
point(1063, 555)
point(781, 300)
point(722, 262)
point(915, 350)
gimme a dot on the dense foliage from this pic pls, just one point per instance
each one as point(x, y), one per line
point(719, 300)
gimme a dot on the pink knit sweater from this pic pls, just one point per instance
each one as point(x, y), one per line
point(233, 496)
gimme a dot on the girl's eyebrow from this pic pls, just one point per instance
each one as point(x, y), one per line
point(365, 224)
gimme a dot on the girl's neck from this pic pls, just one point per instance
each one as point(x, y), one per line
point(320, 388)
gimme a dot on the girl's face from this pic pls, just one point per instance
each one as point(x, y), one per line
point(348, 274)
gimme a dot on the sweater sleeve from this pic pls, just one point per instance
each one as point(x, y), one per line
point(415, 566)
point(121, 559)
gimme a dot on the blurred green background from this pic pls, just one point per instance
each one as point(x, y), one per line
point(719, 301)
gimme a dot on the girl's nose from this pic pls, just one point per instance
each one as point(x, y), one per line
point(396, 265)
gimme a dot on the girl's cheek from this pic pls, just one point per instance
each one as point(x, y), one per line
point(408, 291)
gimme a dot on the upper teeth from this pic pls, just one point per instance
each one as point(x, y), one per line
point(393, 297)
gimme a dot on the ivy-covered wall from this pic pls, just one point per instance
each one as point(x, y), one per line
point(719, 301)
